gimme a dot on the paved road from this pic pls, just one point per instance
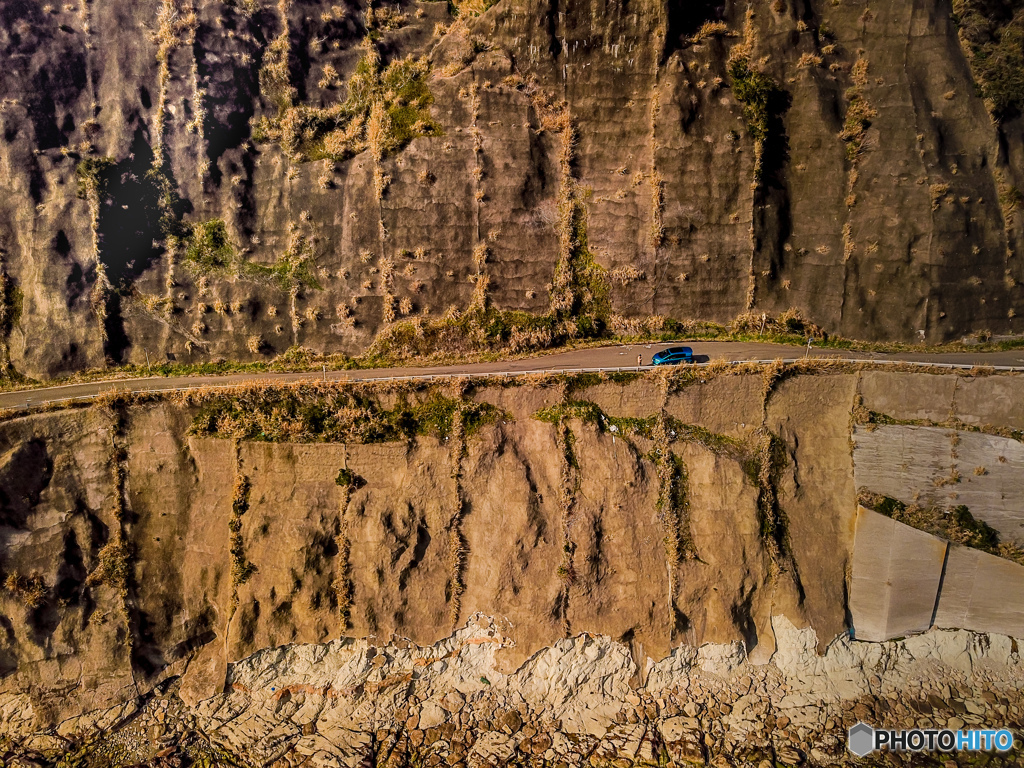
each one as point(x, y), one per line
point(607, 358)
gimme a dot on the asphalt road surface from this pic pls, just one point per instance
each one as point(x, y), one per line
point(604, 358)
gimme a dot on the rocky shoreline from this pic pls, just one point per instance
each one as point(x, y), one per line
point(582, 702)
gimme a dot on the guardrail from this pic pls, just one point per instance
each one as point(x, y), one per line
point(637, 369)
point(534, 371)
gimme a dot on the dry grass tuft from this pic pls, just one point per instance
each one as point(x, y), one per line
point(657, 231)
point(809, 60)
point(709, 29)
point(480, 253)
point(29, 590)
point(858, 111)
point(937, 192)
point(626, 275)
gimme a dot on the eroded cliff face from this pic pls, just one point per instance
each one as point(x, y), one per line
point(599, 164)
point(156, 543)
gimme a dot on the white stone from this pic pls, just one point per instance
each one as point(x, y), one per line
point(431, 715)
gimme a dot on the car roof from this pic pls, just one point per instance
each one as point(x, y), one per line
point(675, 350)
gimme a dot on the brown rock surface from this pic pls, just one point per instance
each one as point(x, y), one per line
point(723, 594)
point(409, 557)
point(899, 232)
point(816, 491)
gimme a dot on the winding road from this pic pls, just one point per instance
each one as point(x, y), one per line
point(610, 358)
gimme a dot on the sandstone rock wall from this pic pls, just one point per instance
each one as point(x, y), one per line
point(561, 530)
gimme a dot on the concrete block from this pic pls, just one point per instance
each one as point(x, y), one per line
point(981, 592)
point(896, 573)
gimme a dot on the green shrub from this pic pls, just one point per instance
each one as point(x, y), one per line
point(436, 415)
point(208, 248)
point(957, 525)
point(92, 175)
point(993, 32)
point(591, 413)
point(309, 414)
point(890, 507)
point(384, 110)
point(293, 268)
point(758, 93)
point(965, 529)
point(241, 569)
point(347, 478)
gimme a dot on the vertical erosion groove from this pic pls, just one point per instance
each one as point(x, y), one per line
point(91, 174)
point(112, 568)
point(858, 117)
point(568, 486)
point(665, 463)
point(562, 295)
point(241, 569)
point(197, 124)
point(673, 505)
point(176, 27)
point(481, 281)
point(770, 458)
point(456, 541)
point(8, 317)
point(656, 232)
point(343, 586)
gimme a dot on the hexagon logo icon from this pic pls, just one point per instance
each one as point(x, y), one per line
point(861, 739)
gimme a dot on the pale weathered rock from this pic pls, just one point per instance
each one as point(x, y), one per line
point(431, 715)
point(493, 747)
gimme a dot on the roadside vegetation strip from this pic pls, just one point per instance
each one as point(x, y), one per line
point(787, 329)
point(954, 523)
point(800, 365)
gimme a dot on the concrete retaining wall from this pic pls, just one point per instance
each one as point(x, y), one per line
point(906, 581)
point(908, 461)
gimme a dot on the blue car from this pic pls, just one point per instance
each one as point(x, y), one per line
point(673, 356)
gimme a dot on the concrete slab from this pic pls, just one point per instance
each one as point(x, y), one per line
point(895, 580)
point(869, 583)
point(915, 571)
point(957, 588)
point(995, 400)
point(981, 592)
point(902, 395)
point(908, 462)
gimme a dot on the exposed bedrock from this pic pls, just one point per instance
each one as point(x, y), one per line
point(373, 546)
